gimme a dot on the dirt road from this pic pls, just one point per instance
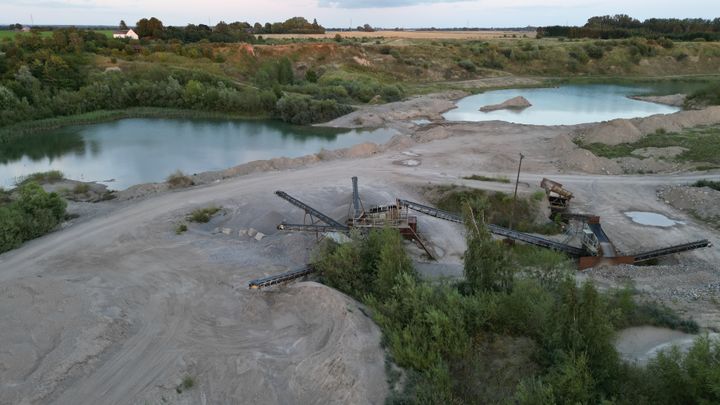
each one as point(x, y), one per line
point(119, 309)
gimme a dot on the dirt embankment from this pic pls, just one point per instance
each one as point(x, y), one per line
point(620, 131)
point(675, 100)
point(429, 106)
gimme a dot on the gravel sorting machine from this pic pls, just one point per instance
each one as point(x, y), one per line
point(596, 247)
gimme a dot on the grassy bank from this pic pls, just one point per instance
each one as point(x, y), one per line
point(11, 132)
point(702, 144)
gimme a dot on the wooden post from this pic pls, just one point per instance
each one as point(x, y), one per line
point(517, 180)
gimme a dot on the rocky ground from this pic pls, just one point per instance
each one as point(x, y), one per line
point(119, 308)
point(700, 202)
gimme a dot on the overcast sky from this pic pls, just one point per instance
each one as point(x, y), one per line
point(345, 13)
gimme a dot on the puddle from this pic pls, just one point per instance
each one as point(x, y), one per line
point(420, 122)
point(408, 162)
point(642, 343)
point(652, 219)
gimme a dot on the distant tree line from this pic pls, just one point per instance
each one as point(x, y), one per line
point(52, 76)
point(624, 26)
point(224, 32)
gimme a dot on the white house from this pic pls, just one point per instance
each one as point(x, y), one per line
point(125, 34)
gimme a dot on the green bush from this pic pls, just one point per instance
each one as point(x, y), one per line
point(297, 109)
point(594, 51)
point(468, 65)
point(203, 215)
point(715, 185)
point(179, 180)
point(81, 188)
point(434, 330)
point(33, 214)
point(311, 76)
point(51, 176)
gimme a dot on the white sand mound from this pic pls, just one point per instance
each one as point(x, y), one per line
point(573, 158)
point(613, 133)
point(515, 103)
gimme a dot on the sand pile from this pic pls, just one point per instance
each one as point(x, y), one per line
point(613, 133)
point(679, 120)
point(628, 131)
point(573, 158)
point(515, 103)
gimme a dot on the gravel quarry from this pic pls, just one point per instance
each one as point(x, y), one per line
point(117, 308)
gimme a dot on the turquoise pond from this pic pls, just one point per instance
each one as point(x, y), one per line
point(564, 105)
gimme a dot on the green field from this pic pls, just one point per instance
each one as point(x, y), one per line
point(11, 34)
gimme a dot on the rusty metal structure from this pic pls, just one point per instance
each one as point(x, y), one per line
point(559, 197)
point(382, 216)
point(596, 247)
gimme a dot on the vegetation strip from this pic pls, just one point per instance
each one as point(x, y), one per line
point(522, 298)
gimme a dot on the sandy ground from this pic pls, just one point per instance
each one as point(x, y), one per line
point(117, 308)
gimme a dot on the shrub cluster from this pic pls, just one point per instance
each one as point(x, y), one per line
point(299, 109)
point(33, 214)
point(432, 329)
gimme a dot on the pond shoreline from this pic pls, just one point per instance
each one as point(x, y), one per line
point(12, 132)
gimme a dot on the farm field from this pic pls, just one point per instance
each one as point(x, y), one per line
point(439, 34)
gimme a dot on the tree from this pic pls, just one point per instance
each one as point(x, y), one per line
point(393, 262)
point(150, 28)
point(123, 26)
point(486, 263)
point(285, 73)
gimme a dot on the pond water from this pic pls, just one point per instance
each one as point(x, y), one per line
point(651, 219)
point(640, 344)
point(564, 105)
point(132, 151)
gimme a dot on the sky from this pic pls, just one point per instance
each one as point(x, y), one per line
point(350, 13)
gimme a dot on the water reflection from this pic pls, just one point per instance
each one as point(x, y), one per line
point(144, 150)
point(44, 146)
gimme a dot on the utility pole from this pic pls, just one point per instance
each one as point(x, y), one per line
point(517, 180)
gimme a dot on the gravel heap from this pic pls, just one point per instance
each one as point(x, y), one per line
point(702, 202)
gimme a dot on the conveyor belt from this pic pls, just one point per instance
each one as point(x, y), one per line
point(432, 211)
point(310, 210)
point(280, 278)
point(536, 240)
point(641, 257)
point(498, 230)
point(607, 248)
point(311, 228)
